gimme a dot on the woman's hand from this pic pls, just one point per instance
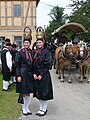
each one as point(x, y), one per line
point(35, 76)
point(19, 79)
point(39, 77)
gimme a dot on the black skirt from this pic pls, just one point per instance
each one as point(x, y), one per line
point(43, 88)
point(26, 85)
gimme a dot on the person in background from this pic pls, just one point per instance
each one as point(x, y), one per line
point(24, 75)
point(75, 39)
point(7, 40)
point(42, 61)
point(6, 59)
point(62, 39)
point(13, 52)
point(55, 37)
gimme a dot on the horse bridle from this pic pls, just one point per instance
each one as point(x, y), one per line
point(81, 60)
point(63, 52)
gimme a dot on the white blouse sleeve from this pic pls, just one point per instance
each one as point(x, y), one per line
point(9, 60)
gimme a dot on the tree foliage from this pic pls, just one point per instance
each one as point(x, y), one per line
point(52, 26)
point(58, 18)
point(57, 15)
point(81, 14)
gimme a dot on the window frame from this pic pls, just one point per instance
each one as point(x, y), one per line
point(18, 41)
point(17, 10)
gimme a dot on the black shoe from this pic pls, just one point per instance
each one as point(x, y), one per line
point(38, 112)
point(8, 90)
point(44, 113)
point(25, 114)
point(29, 113)
point(4, 90)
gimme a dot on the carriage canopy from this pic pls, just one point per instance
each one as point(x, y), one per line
point(74, 27)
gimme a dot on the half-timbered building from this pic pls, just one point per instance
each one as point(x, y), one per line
point(14, 16)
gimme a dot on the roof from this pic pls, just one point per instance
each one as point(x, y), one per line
point(74, 27)
point(37, 1)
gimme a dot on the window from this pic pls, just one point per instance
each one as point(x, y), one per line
point(17, 10)
point(18, 40)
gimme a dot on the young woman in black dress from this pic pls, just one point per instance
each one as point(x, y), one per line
point(42, 62)
point(24, 84)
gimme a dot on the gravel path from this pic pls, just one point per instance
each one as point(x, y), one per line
point(71, 101)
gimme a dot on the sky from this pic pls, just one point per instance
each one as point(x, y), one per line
point(43, 10)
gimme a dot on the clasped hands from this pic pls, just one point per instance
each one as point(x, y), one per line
point(39, 77)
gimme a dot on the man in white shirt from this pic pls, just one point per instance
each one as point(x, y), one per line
point(6, 59)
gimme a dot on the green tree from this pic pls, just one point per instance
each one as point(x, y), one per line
point(81, 14)
point(58, 18)
point(57, 15)
point(52, 26)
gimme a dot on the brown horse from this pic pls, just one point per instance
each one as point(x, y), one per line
point(64, 57)
point(83, 57)
point(57, 52)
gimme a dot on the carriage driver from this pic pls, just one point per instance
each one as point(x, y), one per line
point(62, 39)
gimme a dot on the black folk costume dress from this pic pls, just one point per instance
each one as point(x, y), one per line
point(24, 70)
point(42, 61)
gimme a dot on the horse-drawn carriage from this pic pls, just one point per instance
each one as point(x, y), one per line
point(76, 28)
point(69, 52)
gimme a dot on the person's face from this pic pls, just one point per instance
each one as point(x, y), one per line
point(39, 44)
point(63, 34)
point(14, 48)
point(75, 36)
point(9, 47)
point(26, 44)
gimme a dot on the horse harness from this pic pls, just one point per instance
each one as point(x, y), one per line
point(81, 60)
point(65, 57)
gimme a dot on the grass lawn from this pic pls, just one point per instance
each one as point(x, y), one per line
point(9, 108)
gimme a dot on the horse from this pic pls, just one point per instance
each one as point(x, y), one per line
point(57, 52)
point(64, 56)
point(83, 57)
